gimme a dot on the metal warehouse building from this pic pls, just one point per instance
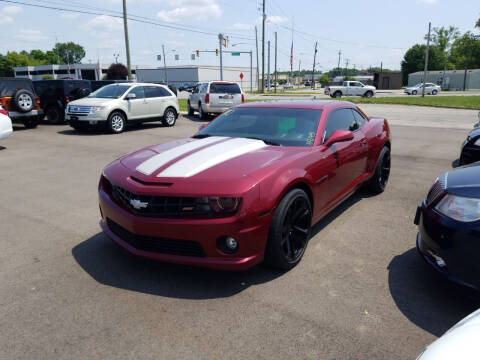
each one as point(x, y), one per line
point(178, 75)
point(449, 80)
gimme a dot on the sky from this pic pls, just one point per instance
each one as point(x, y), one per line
point(367, 33)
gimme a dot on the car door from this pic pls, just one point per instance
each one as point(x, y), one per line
point(193, 97)
point(162, 99)
point(139, 106)
point(350, 156)
point(154, 96)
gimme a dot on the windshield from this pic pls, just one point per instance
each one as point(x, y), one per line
point(418, 85)
point(110, 92)
point(275, 126)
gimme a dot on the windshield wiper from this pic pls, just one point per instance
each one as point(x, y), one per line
point(201, 136)
point(268, 142)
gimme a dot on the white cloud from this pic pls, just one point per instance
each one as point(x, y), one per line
point(176, 43)
point(276, 19)
point(240, 26)
point(188, 10)
point(103, 23)
point(30, 35)
point(69, 16)
point(5, 19)
point(11, 10)
point(146, 52)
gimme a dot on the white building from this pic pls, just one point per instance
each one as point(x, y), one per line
point(179, 75)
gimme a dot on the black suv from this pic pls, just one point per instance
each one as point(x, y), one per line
point(17, 97)
point(56, 94)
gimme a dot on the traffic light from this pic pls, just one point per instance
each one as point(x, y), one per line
point(198, 53)
point(216, 52)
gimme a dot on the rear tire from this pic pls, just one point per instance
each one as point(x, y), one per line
point(30, 122)
point(378, 182)
point(116, 122)
point(337, 94)
point(368, 94)
point(169, 117)
point(289, 230)
point(189, 109)
point(54, 115)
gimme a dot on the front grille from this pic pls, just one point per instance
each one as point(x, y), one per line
point(168, 206)
point(77, 109)
point(155, 244)
point(437, 189)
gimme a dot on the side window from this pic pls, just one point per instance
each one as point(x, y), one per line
point(203, 88)
point(152, 91)
point(139, 91)
point(341, 119)
point(358, 118)
point(163, 91)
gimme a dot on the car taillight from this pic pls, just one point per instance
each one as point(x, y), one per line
point(243, 98)
point(37, 101)
point(207, 98)
point(67, 99)
point(3, 111)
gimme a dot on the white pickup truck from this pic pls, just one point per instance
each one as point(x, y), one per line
point(350, 88)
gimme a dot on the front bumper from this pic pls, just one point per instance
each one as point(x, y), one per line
point(251, 237)
point(450, 247)
point(5, 133)
point(86, 118)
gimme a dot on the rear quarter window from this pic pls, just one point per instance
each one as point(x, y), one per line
point(217, 88)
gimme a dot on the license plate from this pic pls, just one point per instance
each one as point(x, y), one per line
point(226, 97)
point(73, 117)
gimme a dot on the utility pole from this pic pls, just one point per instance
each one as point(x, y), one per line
point(268, 67)
point(251, 71)
point(264, 16)
point(127, 44)
point(220, 40)
point(468, 53)
point(314, 60)
point(276, 62)
point(346, 66)
point(256, 44)
point(165, 64)
point(426, 60)
point(299, 63)
point(338, 66)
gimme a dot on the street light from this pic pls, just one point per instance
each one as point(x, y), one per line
point(238, 44)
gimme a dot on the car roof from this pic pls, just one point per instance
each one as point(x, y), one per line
point(136, 84)
point(300, 104)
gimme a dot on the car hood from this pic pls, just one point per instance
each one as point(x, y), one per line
point(474, 132)
point(460, 342)
point(231, 164)
point(464, 181)
point(91, 102)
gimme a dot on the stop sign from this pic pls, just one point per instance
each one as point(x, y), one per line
point(241, 76)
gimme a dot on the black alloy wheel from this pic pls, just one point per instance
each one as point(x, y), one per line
point(378, 182)
point(189, 109)
point(289, 231)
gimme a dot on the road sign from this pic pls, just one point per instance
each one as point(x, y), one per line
point(235, 54)
point(241, 76)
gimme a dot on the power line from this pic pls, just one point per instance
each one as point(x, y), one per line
point(131, 18)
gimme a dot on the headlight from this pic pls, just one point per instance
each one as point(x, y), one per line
point(218, 204)
point(95, 109)
point(477, 142)
point(459, 208)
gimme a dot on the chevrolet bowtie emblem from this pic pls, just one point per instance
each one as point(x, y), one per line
point(137, 204)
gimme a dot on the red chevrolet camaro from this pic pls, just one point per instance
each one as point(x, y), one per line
point(247, 187)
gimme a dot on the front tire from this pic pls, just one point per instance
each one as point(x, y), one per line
point(414, 92)
point(434, 92)
point(169, 117)
point(289, 230)
point(116, 122)
point(378, 182)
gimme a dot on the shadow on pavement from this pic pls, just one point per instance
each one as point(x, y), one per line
point(98, 130)
point(195, 118)
point(426, 298)
point(110, 265)
point(2, 147)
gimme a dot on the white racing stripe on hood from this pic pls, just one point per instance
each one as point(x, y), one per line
point(211, 156)
point(155, 162)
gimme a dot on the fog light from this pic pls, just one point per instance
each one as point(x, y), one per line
point(231, 243)
point(227, 244)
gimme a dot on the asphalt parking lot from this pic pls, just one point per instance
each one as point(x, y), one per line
point(360, 292)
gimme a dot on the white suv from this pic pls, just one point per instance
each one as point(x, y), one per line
point(117, 104)
point(214, 97)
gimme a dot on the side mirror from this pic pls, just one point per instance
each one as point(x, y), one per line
point(203, 126)
point(339, 136)
point(131, 96)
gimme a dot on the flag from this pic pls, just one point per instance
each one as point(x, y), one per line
point(291, 57)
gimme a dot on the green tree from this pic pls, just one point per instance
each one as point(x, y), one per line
point(466, 45)
point(477, 24)
point(443, 37)
point(414, 60)
point(324, 79)
point(69, 52)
